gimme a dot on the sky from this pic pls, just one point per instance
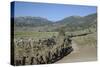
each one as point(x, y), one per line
point(53, 12)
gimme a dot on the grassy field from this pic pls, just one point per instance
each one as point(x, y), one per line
point(35, 35)
point(42, 34)
point(90, 39)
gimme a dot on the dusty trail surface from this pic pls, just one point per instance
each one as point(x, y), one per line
point(80, 54)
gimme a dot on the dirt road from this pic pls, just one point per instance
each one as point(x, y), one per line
point(80, 54)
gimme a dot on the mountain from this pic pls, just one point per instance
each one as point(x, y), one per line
point(78, 23)
point(71, 23)
point(71, 19)
point(31, 21)
point(78, 19)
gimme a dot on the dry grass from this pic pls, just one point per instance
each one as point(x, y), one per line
point(90, 39)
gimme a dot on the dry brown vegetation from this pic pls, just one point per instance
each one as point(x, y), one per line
point(41, 51)
point(49, 47)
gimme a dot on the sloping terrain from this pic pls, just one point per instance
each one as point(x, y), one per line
point(72, 23)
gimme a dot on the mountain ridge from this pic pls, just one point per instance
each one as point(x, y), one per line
point(74, 22)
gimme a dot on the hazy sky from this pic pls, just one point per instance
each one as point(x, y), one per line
point(52, 12)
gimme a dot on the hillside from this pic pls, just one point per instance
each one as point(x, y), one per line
point(71, 23)
point(31, 21)
point(78, 23)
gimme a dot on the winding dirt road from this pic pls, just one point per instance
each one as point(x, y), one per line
point(80, 54)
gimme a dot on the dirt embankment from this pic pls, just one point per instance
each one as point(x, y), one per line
point(80, 54)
